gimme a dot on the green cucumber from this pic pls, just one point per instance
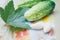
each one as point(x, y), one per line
point(39, 10)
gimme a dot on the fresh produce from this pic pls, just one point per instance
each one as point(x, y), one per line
point(30, 3)
point(39, 10)
point(32, 10)
point(14, 18)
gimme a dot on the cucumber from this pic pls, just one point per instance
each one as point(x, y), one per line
point(39, 10)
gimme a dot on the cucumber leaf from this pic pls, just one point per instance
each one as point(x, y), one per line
point(9, 10)
point(15, 17)
point(19, 19)
point(1, 10)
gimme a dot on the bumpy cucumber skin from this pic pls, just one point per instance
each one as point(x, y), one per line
point(40, 10)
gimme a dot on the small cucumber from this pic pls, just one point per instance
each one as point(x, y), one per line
point(39, 10)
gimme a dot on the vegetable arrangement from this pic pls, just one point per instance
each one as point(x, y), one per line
point(30, 11)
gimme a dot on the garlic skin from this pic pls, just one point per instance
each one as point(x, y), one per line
point(47, 27)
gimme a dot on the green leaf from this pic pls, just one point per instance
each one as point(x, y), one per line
point(18, 13)
point(18, 18)
point(14, 17)
point(31, 3)
point(1, 10)
point(9, 10)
